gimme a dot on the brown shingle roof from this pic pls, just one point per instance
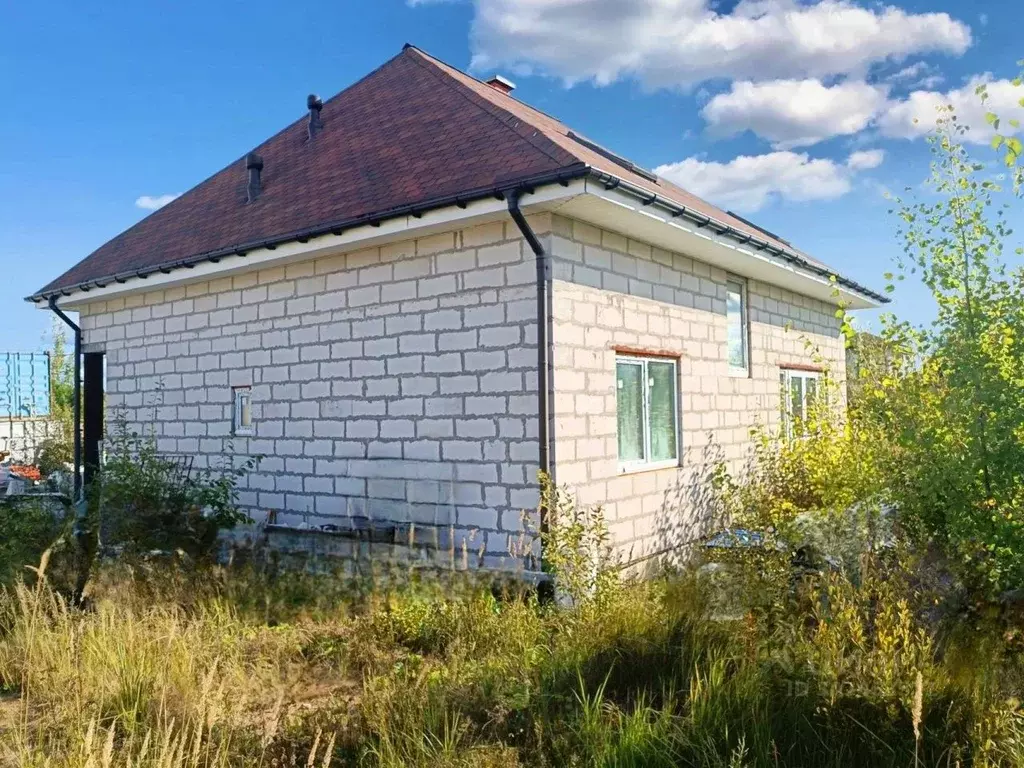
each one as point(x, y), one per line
point(414, 131)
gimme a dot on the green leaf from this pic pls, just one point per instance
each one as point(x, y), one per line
point(997, 141)
point(992, 118)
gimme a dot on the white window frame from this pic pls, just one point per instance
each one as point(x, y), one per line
point(236, 411)
point(741, 284)
point(641, 465)
point(786, 384)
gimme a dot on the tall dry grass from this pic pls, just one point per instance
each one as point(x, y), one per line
point(218, 669)
point(135, 682)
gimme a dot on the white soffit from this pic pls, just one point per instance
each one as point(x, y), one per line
point(625, 214)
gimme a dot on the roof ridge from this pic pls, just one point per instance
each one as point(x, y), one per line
point(487, 106)
point(414, 134)
point(518, 101)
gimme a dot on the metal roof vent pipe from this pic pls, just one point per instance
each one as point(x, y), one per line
point(314, 103)
point(254, 165)
point(502, 84)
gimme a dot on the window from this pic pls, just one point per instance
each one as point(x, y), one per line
point(242, 416)
point(799, 390)
point(738, 333)
point(648, 412)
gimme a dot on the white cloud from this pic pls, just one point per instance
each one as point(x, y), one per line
point(677, 43)
point(151, 203)
point(916, 115)
point(912, 72)
point(865, 159)
point(932, 81)
point(747, 183)
point(799, 113)
point(794, 113)
point(918, 75)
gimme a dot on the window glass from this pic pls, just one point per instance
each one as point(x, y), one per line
point(736, 318)
point(243, 410)
point(796, 397)
point(630, 407)
point(799, 391)
point(648, 413)
point(661, 378)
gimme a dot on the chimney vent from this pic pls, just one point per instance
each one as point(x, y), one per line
point(314, 103)
point(502, 84)
point(254, 165)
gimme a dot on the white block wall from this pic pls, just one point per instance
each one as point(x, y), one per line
point(22, 438)
point(400, 381)
point(404, 374)
point(612, 292)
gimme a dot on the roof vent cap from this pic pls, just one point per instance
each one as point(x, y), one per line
point(502, 84)
point(314, 104)
point(254, 166)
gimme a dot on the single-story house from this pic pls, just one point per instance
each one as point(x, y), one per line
point(424, 291)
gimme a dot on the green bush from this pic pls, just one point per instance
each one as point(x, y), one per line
point(55, 454)
point(28, 527)
point(143, 502)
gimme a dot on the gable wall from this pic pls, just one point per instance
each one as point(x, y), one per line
point(609, 291)
point(404, 374)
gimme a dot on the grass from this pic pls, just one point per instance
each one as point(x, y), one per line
point(233, 668)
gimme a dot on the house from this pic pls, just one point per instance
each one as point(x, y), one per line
point(422, 292)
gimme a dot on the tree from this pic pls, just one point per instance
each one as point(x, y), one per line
point(954, 406)
point(869, 359)
point(62, 378)
point(57, 451)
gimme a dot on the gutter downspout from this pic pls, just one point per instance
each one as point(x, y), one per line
point(543, 346)
point(76, 407)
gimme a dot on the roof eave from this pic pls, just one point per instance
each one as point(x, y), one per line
point(678, 210)
point(562, 176)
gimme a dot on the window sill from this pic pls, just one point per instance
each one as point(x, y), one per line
point(634, 469)
point(244, 432)
point(739, 373)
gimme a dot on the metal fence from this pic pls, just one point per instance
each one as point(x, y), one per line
point(24, 385)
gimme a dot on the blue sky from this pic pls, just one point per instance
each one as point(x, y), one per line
point(795, 115)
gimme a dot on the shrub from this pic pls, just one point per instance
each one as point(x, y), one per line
point(822, 490)
point(28, 527)
point(55, 454)
point(145, 502)
point(575, 542)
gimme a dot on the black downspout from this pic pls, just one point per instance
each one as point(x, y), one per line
point(543, 348)
point(76, 408)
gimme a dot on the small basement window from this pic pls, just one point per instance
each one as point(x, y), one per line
point(647, 404)
point(738, 328)
point(242, 416)
point(799, 391)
